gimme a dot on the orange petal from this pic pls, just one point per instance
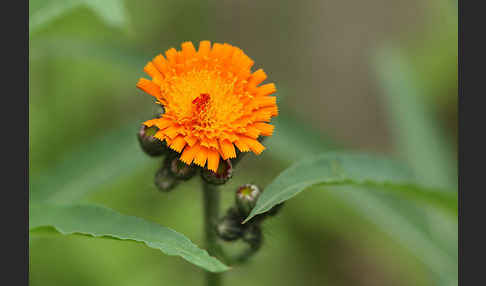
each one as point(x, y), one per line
point(151, 122)
point(180, 58)
point(263, 101)
point(171, 131)
point(262, 114)
point(266, 89)
point(227, 149)
point(273, 110)
point(270, 111)
point(149, 87)
point(210, 143)
point(191, 140)
point(257, 77)
point(245, 72)
point(161, 64)
point(247, 64)
point(242, 146)
point(188, 50)
point(265, 128)
point(237, 59)
point(227, 51)
point(239, 64)
point(178, 143)
point(216, 50)
point(161, 136)
point(201, 157)
point(163, 123)
point(204, 48)
point(252, 132)
point(213, 160)
point(253, 144)
point(189, 154)
point(152, 71)
point(171, 56)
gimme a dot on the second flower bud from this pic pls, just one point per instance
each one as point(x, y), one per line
point(246, 198)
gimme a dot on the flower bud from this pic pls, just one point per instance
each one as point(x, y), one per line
point(229, 227)
point(221, 176)
point(261, 139)
point(179, 169)
point(246, 197)
point(158, 110)
point(164, 181)
point(253, 236)
point(151, 145)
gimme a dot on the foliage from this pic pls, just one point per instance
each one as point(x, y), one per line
point(42, 12)
point(98, 221)
point(349, 169)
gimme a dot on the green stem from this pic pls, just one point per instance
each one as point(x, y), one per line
point(211, 213)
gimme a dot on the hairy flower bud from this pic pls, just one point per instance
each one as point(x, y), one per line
point(229, 227)
point(164, 181)
point(253, 236)
point(151, 145)
point(221, 176)
point(246, 197)
point(179, 169)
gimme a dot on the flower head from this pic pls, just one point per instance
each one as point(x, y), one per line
point(212, 101)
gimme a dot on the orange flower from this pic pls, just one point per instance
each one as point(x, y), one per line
point(212, 102)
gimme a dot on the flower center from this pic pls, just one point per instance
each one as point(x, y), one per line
point(201, 108)
point(201, 102)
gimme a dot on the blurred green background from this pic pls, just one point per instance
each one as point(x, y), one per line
point(376, 76)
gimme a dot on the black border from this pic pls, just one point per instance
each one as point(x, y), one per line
point(15, 135)
point(471, 121)
point(15, 144)
point(25, 132)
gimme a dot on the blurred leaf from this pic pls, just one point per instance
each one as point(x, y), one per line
point(41, 12)
point(419, 138)
point(433, 54)
point(98, 221)
point(349, 169)
point(89, 167)
point(118, 54)
point(394, 219)
point(112, 11)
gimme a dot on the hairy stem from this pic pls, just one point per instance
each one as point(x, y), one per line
point(211, 213)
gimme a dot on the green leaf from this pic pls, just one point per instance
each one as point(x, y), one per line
point(42, 12)
point(99, 221)
point(348, 169)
